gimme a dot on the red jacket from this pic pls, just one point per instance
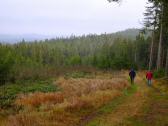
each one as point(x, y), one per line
point(149, 75)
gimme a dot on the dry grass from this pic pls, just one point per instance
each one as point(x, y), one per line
point(52, 118)
point(78, 98)
point(2, 121)
point(79, 87)
point(37, 99)
point(91, 101)
point(64, 114)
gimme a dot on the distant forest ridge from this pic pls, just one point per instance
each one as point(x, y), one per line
point(5, 38)
point(34, 60)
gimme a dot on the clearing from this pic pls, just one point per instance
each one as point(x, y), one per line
point(99, 99)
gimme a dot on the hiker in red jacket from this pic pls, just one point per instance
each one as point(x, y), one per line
point(149, 76)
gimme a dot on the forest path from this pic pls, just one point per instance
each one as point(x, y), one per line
point(139, 106)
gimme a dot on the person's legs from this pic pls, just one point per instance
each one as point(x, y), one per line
point(132, 80)
point(149, 82)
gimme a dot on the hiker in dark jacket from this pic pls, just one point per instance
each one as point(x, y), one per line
point(132, 75)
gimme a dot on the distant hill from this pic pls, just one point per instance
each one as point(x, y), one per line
point(129, 34)
point(5, 38)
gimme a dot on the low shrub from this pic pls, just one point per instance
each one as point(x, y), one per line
point(159, 73)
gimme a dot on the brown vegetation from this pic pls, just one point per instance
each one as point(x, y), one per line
point(38, 99)
point(79, 87)
point(78, 98)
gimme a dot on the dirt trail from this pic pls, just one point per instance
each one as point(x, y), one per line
point(142, 108)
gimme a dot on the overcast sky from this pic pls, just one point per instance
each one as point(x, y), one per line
point(66, 17)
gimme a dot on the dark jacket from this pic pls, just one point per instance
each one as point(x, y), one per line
point(132, 74)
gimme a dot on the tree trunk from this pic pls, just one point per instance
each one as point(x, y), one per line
point(135, 52)
point(151, 50)
point(159, 56)
point(166, 68)
point(135, 57)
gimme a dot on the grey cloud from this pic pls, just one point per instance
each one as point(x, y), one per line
point(66, 17)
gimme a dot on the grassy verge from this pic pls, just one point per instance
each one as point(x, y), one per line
point(108, 108)
point(112, 105)
point(155, 110)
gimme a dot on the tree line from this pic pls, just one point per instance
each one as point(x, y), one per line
point(156, 21)
point(39, 59)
